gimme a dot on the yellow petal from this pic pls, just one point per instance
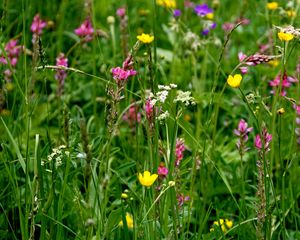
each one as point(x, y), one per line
point(234, 81)
point(285, 36)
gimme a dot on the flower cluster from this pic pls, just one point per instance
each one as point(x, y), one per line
point(57, 155)
point(60, 76)
point(185, 98)
point(180, 147)
point(263, 140)
point(37, 26)
point(120, 75)
point(204, 11)
point(181, 199)
point(224, 224)
point(242, 132)
point(162, 171)
point(85, 30)
point(132, 116)
point(297, 130)
point(12, 52)
point(287, 81)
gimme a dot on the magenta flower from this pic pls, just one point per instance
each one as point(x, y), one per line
point(180, 147)
point(121, 12)
point(61, 74)
point(85, 30)
point(120, 75)
point(297, 129)
point(12, 52)
point(202, 10)
point(287, 81)
point(242, 132)
point(181, 199)
point(263, 139)
point(37, 25)
point(162, 171)
point(132, 116)
point(149, 109)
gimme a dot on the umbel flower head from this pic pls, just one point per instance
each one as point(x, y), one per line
point(129, 221)
point(234, 81)
point(145, 38)
point(147, 179)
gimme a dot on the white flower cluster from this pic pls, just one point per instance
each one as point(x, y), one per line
point(184, 97)
point(161, 95)
point(163, 116)
point(57, 155)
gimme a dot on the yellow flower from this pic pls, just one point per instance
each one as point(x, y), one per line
point(272, 5)
point(273, 63)
point(145, 38)
point(224, 224)
point(285, 36)
point(167, 3)
point(234, 81)
point(210, 16)
point(124, 195)
point(291, 13)
point(146, 179)
point(129, 221)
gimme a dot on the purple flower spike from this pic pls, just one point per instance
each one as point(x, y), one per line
point(202, 10)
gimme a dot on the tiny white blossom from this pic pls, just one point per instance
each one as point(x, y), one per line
point(162, 96)
point(184, 97)
point(172, 85)
point(163, 116)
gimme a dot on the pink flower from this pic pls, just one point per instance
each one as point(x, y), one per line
point(286, 82)
point(85, 30)
point(119, 74)
point(61, 74)
point(264, 138)
point(121, 12)
point(182, 199)
point(149, 109)
point(180, 147)
point(37, 25)
point(132, 116)
point(162, 170)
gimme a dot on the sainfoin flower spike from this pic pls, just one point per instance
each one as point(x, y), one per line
point(147, 179)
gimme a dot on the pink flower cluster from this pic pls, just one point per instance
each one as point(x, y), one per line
point(119, 74)
point(37, 26)
point(180, 147)
point(162, 171)
point(242, 132)
point(12, 52)
point(181, 199)
point(61, 75)
point(85, 30)
point(297, 130)
point(287, 81)
point(149, 109)
point(263, 140)
point(132, 116)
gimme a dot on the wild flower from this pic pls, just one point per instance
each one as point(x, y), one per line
point(145, 38)
point(181, 199)
point(242, 133)
point(60, 76)
point(263, 140)
point(224, 224)
point(297, 129)
point(149, 109)
point(129, 221)
point(234, 81)
point(37, 25)
point(180, 147)
point(291, 13)
point(192, 41)
point(176, 13)
point(227, 26)
point(163, 116)
point(147, 179)
point(286, 37)
point(121, 12)
point(58, 155)
point(167, 3)
point(85, 30)
point(132, 116)
point(287, 81)
point(185, 98)
point(121, 75)
point(272, 5)
point(162, 171)
point(208, 25)
point(202, 10)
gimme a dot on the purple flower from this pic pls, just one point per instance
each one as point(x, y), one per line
point(242, 132)
point(202, 10)
point(263, 139)
point(61, 74)
point(176, 13)
point(119, 74)
point(121, 12)
point(205, 32)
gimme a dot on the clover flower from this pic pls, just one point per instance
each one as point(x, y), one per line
point(147, 179)
point(85, 30)
point(234, 81)
point(145, 38)
point(129, 221)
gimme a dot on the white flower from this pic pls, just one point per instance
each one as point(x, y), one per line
point(163, 116)
point(184, 97)
point(162, 96)
point(172, 85)
point(164, 87)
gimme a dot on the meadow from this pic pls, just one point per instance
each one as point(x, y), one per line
point(153, 119)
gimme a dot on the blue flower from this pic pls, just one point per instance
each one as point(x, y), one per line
point(202, 10)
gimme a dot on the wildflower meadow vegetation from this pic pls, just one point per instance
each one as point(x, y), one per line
point(149, 119)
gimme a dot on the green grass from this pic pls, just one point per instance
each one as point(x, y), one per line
point(65, 160)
